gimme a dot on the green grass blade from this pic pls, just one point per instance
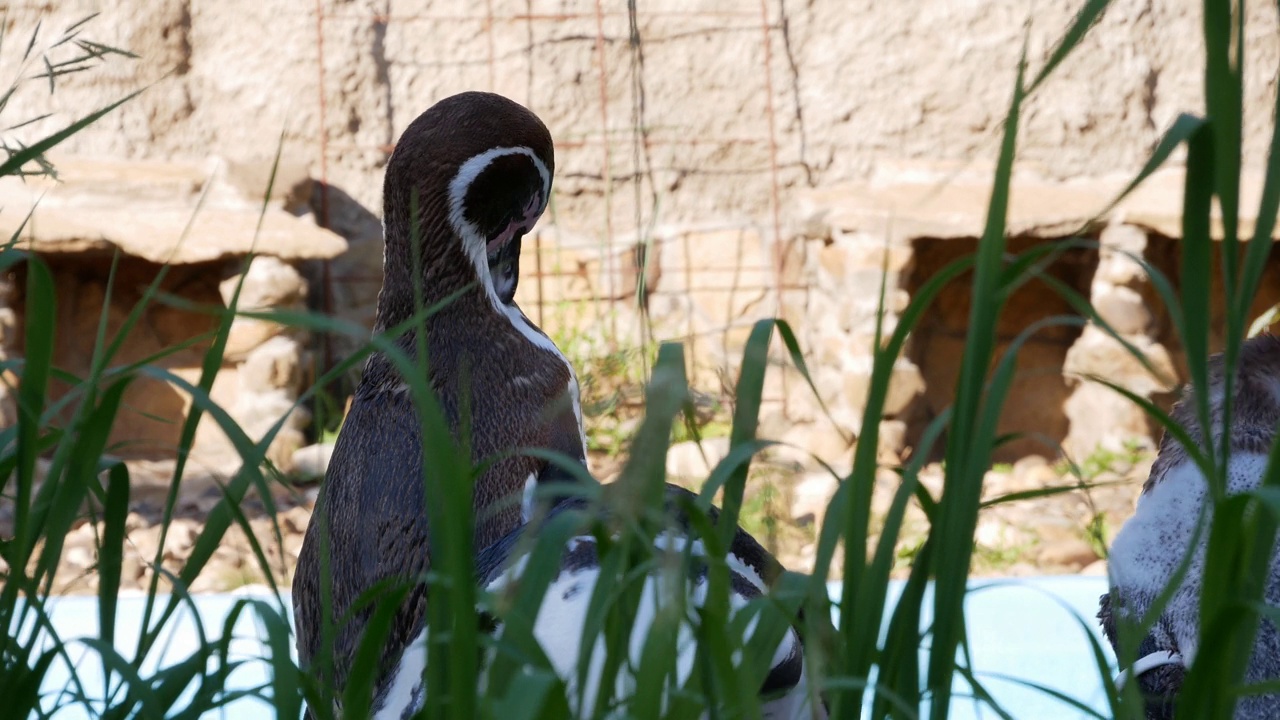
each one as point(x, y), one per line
point(746, 418)
point(57, 509)
point(966, 459)
point(1085, 19)
point(357, 698)
point(13, 164)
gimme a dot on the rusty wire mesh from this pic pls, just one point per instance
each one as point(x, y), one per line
point(628, 142)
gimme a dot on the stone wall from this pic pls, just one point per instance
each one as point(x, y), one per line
point(700, 115)
point(710, 284)
point(148, 253)
point(715, 164)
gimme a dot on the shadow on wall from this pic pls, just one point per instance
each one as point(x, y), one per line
point(345, 288)
point(1039, 391)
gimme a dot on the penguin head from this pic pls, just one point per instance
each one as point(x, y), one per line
point(468, 179)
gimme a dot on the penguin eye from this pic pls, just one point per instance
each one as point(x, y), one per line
point(501, 193)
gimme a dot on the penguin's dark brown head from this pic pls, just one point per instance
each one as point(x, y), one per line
point(468, 178)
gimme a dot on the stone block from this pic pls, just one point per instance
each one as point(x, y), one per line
point(905, 383)
point(695, 460)
point(1101, 418)
point(1122, 246)
point(1098, 354)
point(811, 496)
point(290, 187)
point(271, 366)
point(312, 461)
point(268, 283)
point(821, 440)
point(1122, 308)
point(892, 438)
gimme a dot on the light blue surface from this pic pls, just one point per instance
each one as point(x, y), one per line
point(74, 618)
point(1035, 630)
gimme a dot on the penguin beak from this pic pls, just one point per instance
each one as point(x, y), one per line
point(504, 268)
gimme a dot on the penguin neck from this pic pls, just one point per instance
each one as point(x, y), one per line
point(448, 282)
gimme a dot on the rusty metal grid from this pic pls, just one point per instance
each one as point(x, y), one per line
point(737, 15)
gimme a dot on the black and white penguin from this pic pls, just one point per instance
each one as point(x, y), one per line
point(559, 626)
point(481, 167)
point(477, 167)
point(1152, 545)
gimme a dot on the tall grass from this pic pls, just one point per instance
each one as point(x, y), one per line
point(876, 659)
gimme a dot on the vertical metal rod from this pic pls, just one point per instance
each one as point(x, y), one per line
point(609, 259)
point(488, 29)
point(324, 133)
point(326, 275)
point(775, 203)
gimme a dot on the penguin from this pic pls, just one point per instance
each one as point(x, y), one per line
point(786, 693)
point(477, 169)
point(1153, 543)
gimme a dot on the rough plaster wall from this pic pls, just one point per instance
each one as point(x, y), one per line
point(853, 83)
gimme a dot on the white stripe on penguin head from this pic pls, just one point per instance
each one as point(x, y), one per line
point(474, 243)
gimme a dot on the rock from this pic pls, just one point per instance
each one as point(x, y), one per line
point(572, 267)
point(295, 519)
point(955, 208)
point(820, 440)
point(811, 496)
point(1121, 245)
point(905, 383)
point(1096, 568)
point(685, 459)
point(84, 535)
point(312, 461)
point(995, 484)
point(292, 548)
point(773, 423)
point(645, 263)
point(1023, 569)
point(271, 366)
point(144, 542)
point(1072, 553)
point(1032, 473)
point(78, 557)
point(993, 532)
point(134, 521)
point(1097, 353)
point(932, 478)
point(1029, 464)
point(1125, 421)
point(1122, 308)
point(268, 283)
point(893, 439)
point(130, 569)
point(855, 261)
point(289, 181)
point(180, 539)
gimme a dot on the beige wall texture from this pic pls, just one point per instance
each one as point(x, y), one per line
point(707, 105)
